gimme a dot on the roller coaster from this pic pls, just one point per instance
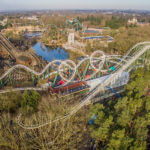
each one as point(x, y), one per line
point(94, 74)
point(73, 22)
point(91, 69)
point(5, 43)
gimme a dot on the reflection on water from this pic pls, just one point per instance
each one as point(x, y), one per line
point(50, 54)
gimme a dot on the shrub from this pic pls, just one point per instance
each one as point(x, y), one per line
point(30, 101)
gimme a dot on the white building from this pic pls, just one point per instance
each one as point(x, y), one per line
point(30, 18)
point(71, 38)
point(132, 21)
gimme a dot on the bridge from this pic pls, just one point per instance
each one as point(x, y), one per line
point(96, 73)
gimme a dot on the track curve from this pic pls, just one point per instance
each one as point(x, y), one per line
point(123, 65)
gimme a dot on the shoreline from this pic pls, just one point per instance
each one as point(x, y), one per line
point(73, 53)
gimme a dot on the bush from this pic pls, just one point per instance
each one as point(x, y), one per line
point(30, 101)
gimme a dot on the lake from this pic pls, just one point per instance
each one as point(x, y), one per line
point(50, 54)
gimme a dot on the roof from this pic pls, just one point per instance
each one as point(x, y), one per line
point(91, 31)
point(98, 37)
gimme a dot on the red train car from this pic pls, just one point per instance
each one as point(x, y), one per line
point(71, 88)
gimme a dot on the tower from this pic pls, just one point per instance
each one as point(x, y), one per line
point(71, 38)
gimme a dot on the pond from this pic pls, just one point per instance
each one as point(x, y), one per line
point(50, 54)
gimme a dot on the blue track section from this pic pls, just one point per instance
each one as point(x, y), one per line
point(113, 91)
point(92, 120)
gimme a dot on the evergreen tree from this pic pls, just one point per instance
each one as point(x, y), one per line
point(123, 124)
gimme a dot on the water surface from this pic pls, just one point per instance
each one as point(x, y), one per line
point(50, 54)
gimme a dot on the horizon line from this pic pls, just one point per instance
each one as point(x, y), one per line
point(45, 9)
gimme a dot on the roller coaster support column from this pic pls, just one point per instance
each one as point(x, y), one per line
point(77, 27)
point(69, 71)
point(33, 78)
point(85, 71)
point(1, 83)
point(10, 78)
point(79, 74)
point(107, 65)
point(43, 76)
point(99, 74)
point(55, 79)
point(147, 60)
point(48, 71)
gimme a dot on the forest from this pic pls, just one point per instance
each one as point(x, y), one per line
point(124, 123)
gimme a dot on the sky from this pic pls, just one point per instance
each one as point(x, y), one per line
point(73, 4)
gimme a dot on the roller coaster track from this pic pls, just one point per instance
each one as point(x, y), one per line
point(10, 48)
point(26, 68)
point(20, 89)
point(74, 67)
point(42, 64)
point(59, 70)
point(7, 45)
point(7, 48)
point(124, 65)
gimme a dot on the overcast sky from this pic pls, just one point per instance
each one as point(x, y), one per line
point(74, 4)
